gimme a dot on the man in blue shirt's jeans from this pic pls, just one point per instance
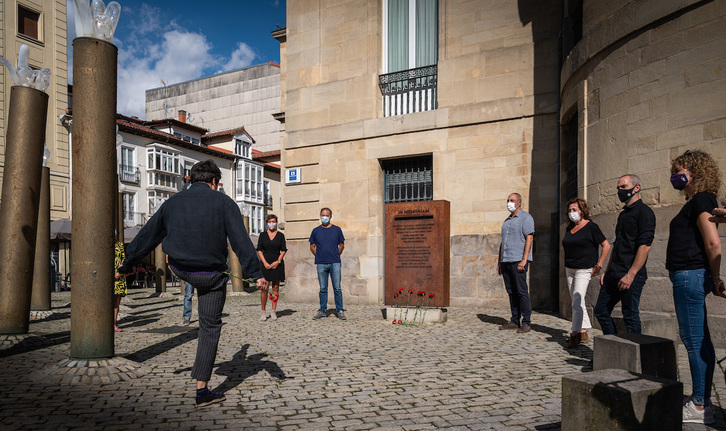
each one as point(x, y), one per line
point(327, 244)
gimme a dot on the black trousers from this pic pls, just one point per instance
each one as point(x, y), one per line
point(516, 284)
point(211, 298)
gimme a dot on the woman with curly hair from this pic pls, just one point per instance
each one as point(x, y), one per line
point(581, 243)
point(693, 259)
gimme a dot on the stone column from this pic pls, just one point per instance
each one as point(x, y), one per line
point(236, 269)
point(24, 143)
point(94, 195)
point(160, 276)
point(40, 298)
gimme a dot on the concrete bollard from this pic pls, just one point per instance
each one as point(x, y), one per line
point(645, 354)
point(617, 399)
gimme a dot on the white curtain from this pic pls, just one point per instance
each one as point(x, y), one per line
point(427, 32)
point(397, 35)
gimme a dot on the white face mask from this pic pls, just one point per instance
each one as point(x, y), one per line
point(511, 207)
point(575, 217)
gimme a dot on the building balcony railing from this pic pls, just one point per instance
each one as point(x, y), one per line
point(132, 219)
point(129, 174)
point(409, 91)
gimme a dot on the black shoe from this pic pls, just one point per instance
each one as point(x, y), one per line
point(206, 397)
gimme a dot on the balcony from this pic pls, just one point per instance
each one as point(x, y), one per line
point(409, 91)
point(129, 174)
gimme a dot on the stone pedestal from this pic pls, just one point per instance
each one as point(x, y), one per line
point(617, 399)
point(432, 315)
point(645, 354)
point(653, 324)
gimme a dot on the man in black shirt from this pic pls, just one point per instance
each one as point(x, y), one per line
point(193, 227)
point(625, 275)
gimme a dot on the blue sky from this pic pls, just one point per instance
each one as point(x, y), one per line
point(182, 40)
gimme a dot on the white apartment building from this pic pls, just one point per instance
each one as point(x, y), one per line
point(156, 157)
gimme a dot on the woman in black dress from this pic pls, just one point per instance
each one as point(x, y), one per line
point(271, 248)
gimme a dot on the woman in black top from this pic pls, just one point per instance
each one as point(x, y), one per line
point(693, 259)
point(271, 248)
point(581, 243)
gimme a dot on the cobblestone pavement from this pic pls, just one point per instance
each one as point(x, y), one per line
point(364, 373)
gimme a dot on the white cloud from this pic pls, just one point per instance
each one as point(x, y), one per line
point(178, 57)
point(159, 49)
point(243, 56)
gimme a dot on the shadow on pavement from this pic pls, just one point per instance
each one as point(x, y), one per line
point(38, 342)
point(494, 320)
point(136, 322)
point(146, 305)
point(241, 367)
point(156, 349)
point(286, 312)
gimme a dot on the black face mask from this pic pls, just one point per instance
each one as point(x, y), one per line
point(625, 195)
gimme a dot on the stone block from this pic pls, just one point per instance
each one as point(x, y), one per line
point(655, 325)
point(638, 353)
point(432, 315)
point(616, 399)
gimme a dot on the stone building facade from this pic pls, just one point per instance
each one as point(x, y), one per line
point(489, 127)
point(41, 25)
point(643, 84)
point(550, 99)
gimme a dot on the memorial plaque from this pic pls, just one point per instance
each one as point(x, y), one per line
point(417, 251)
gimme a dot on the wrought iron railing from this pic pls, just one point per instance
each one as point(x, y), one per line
point(129, 174)
point(409, 91)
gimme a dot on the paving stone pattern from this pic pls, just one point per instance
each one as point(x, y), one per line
point(294, 373)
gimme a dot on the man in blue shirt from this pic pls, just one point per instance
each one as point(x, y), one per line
point(327, 244)
point(515, 253)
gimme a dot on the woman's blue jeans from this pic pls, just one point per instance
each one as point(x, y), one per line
point(332, 270)
point(690, 288)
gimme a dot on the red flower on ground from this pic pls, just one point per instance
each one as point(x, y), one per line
point(421, 293)
point(400, 321)
point(394, 321)
point(431, 295)
point(410, 291)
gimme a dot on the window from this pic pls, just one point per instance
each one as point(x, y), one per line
point(249, 183)
point(28, 23)
point(163, 180)
point(156, 199)
point(127, 159)
point(242, 148)
point(408, 180)
point(256, 220)
point(128, 172)
point(163, 160)
point(413, 34)
point(129, 209)
point(410, 43)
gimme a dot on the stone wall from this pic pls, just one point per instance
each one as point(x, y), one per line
point(647, 82)
point(494, 132)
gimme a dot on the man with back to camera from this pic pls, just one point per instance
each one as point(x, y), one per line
point(193, 227)
point(625, 276)
point(515, 253)
point(327, 244)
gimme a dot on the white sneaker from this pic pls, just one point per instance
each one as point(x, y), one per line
point(273, 315)
point(693, 416)
point(263, 316)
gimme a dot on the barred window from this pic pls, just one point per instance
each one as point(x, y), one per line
point(409, 179)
